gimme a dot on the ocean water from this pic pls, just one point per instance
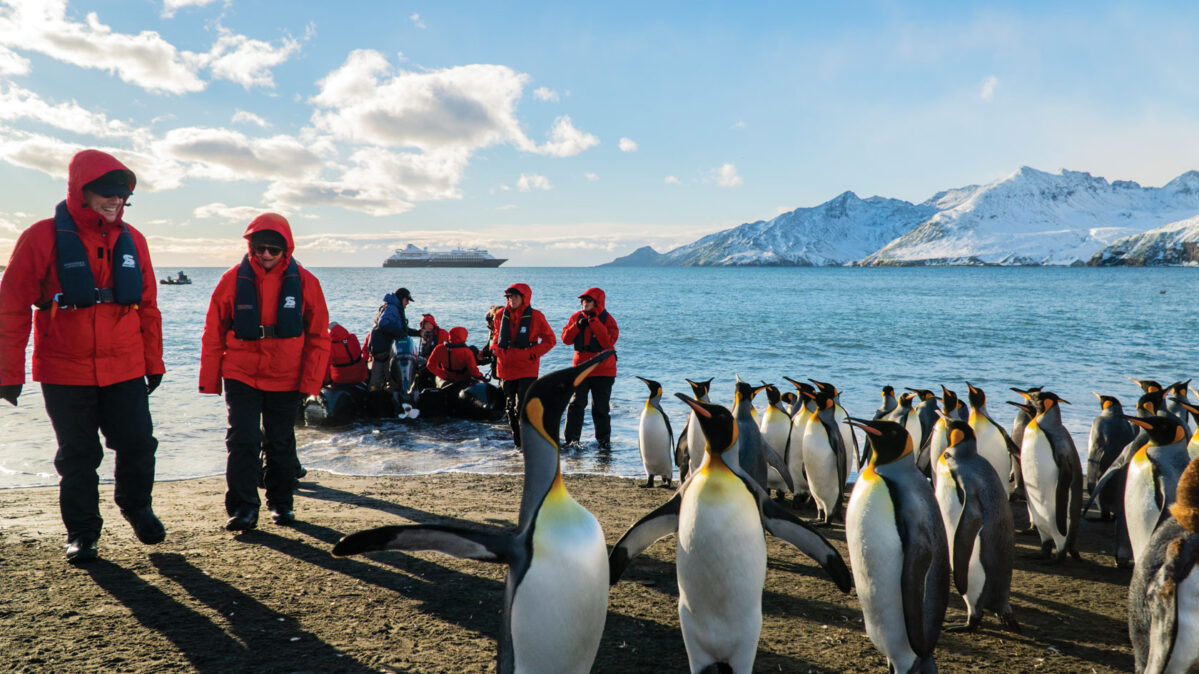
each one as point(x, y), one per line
point(1072, 330)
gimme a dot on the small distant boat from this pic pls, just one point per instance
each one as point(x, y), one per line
point(415, 256)
point(180, 280)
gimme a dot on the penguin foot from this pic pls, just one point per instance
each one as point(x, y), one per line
point(1026, 532)
point(647, 485)
point(968, 626)
point(1124, 564)
point(1075, 554)
point(1008, 621)
point(666, 485)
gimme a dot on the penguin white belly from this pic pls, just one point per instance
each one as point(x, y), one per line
point(993, 448)
point(795, 454)
point(912, 426)
point(656, 453)
point(1140, 505)
point(820, 467)
point(559, 608)
point(876, 554)
point(937, 444)
point(1186, 644)
point(848, 441)
point(947, 499)
point(1040, 482)
point(977, 578)
point(1193, 446)
point(775, 426)
point(721, 569)
point(695, 442)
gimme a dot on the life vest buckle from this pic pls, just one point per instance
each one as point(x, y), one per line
point(265, 331)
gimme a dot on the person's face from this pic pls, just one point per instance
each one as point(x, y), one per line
point(587, 303)
point(107, 207)
point(514, 300)
point(268, 255)
point(404, 302)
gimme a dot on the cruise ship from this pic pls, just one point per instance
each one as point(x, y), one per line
point(415, 256)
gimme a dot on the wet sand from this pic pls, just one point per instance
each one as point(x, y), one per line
point(274, 599)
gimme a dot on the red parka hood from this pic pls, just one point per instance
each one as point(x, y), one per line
point(597, 295)
point(85, 167)
point(458, 335)
point(429, 318)
point(338, 333)
point(525, 291)
point(275, 223)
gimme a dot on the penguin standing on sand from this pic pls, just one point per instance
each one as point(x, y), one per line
point(926, 411)
point(848, 439)
point(654, 437)
point(1110, 432)
point(794, 454)
point(755, 456)
point(1163, 597)
point(905, 415)
point(775, 428)
point(953, 408)
point(556, 595)
point(719, 515)
point(1052, 477)
point(889, 403)
point(825, 460)
point(994, 443)
point(898, 550)
point(686, 459)
point(978, 527)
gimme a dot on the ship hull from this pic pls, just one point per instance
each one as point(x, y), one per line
point(495, 262)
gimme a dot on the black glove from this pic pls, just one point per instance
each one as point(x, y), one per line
point(582, 322)
point(152, 382)
point(10, 393)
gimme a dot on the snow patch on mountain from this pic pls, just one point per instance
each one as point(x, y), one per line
point(1176, 243)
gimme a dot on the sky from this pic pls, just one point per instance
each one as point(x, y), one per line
point(567, 134)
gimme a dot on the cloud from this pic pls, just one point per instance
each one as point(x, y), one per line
point(726, 176)
point(169, 7)
point(739, 124)
point(671, 180)
point(300, 194)
point(545, 94)
point(247, 62)
point(565, 140)
point(988, 90)
point(233, 214)
point(532, 181)
point(18, 103)
point(223, 154)
point(415, 19)
point(591, 177)
point(12, 63)
point(628, 145)
point(506, 207)
point(243, 117)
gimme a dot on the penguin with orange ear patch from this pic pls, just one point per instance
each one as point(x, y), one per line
point(1052, 478)
point(1163, 598)
point(1153, 475)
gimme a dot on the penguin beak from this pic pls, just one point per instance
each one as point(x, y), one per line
point(695, 405)
point(864, 425)
point(1137, 421)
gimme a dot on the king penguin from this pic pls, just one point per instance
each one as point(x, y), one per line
point(719, 515)
point(775, 428)
point(825, 460)
point(925, 407)
point(994, 443)
point(756, 457)
point(953, 408)
point(654, 437)
point(978, 527)
point(898, 551)
point(848, 438)
point(1052, 477)
point(1176, 398)
point(1163, 597)
point(889, 403)
point(905, 415)
point(799, 421)
point(556, 595)
point(1110, 432)
point(691, 436)
point(1193, 444)
point(1153, 475)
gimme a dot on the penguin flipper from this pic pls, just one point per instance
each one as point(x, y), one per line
point(923, 606)
point(782, 524)
point(1113, 470)
point(970, 522)
point(776, 462)
point(658, 524)
point(453, 541)
point(682, 457)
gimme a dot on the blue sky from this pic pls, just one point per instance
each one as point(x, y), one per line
point(569, 133)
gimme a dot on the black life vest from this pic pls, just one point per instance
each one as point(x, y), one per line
point(522, 336)
point(247, 316)
point(449, 358)
point(592, 345)
point(75, 272)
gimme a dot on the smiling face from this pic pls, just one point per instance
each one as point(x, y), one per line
point(107, 207)
point(268, 256)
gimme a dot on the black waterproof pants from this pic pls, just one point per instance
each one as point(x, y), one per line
point(79, 414)
point(260, 422)
point(514, 398)
point(601, 392)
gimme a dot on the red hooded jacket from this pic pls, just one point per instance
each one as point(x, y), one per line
point(347, 361)
point(454, 364)
point(517, 363)
point(605, 333)
point(270, 364)
point(98, 345)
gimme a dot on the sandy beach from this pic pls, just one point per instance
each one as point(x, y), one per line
point(274, 599)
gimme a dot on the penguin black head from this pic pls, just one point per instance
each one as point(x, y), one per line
point(801, 386)
point(921, 393)
point(888, 440)
point(1186, 507)
point(1045, 400)
point(1028, 392)
point(655, 389)
point(888, 391)
point(825, 387)
point(700, 388)
point(1188, 406)
point(772, 395)
point(1109, 402)
point(1027, 407)
point(905, 400)
point(1147, 385)
point(789, 397)
point(949, 399)
point(547, 397)
point(744, 391)
point(716, 421)
point(824, 400)
point(977, 397)
point(1151, 402)
point(1162, 431)
point(959, 431)
point(1179, 388)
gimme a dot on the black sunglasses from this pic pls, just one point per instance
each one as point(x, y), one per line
point(273, 250)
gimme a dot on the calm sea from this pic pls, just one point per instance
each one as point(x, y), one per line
point(1072, 330)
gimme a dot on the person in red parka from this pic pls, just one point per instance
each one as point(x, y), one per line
point(453, 361)
point(266, 340)
point(97, 345)
point(522, 338)
point(591, 330)
point(347, 360)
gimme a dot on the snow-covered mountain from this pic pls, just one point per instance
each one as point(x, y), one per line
point(1174, 244)
point(1029, 217)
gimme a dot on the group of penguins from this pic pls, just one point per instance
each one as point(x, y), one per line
point(929, 508)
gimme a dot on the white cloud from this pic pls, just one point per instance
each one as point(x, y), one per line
point(169, 7)
point(565, 140)
point(532, 181)
point(18, 103)
point(591, 177)
point(506, 207)
point(671, 180)
point(628, 145)
point(235, 214)
point(247, 62)
point(12, 63)
point(545, 94)
point(51, 156)
point(413, 175)
point(223, 154)
point(298, 194)
point(726, 176)
point(415, 19)
point(988, 89)
point(243, 117)
point(739, 124)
